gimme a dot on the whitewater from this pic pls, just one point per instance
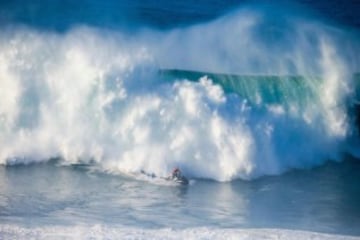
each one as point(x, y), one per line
point(251, 95)
point(94, 232)
point(91, 95)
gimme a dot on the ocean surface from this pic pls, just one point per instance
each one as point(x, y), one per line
point(256, 102)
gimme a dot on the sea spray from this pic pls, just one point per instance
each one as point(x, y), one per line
point(95, 96)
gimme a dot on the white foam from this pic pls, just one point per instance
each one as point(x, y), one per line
point(93, 95)
point(106, 232)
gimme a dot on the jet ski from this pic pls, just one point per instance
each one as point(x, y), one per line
point(181, 180)
point(175, 177)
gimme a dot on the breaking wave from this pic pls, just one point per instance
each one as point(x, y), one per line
point(96, 96)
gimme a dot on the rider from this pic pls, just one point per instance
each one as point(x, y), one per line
point(176, 173)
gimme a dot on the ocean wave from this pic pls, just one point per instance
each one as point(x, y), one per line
point(92, 95)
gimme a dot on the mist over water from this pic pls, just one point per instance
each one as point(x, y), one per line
point(91, 95)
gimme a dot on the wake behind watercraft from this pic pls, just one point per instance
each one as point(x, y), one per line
point(176, 177)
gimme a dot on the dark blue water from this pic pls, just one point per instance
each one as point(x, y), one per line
point(61, 15)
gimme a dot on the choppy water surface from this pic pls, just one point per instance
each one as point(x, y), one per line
point(323, 200)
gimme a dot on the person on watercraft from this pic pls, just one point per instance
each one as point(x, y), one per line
point(178, 177)
point(176, 173)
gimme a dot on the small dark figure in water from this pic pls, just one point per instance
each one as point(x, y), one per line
point(176, 173)
point(178, 177)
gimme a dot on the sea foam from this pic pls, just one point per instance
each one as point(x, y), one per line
point(95, 96)
point(104, 232)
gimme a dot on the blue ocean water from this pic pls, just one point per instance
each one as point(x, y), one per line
point(323, 199)
point(256, 102)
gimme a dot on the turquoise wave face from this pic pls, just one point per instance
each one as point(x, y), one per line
point(284, 90)
point(257, 89)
